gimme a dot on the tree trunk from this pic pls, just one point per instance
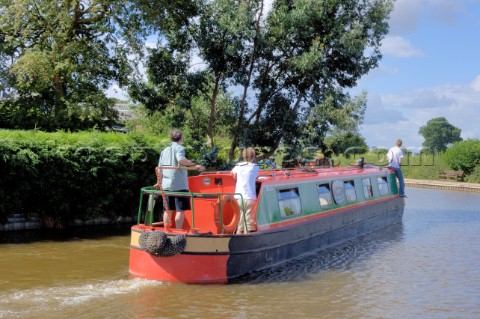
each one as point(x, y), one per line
point(60, 94)
point(213, 107)
point(236, 135)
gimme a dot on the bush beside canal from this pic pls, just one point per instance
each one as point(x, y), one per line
point(64, 177)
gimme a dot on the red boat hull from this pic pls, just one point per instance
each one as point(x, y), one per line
point(179, 268)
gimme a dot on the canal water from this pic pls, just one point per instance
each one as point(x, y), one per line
point(426, 267)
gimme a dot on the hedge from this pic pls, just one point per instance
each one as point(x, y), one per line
point(65, 176)
point(464, 155)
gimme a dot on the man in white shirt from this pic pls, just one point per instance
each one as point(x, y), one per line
point(394, 157)
point(246, 174)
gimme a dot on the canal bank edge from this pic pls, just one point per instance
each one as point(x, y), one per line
point(443, 185)
point(20, 222)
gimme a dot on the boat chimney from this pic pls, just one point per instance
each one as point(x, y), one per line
point(361, 162)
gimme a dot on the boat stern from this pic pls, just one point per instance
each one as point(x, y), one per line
point(202, 259)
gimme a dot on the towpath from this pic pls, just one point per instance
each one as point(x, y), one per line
point(444, 185)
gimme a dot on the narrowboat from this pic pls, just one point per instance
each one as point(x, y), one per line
point(297, 212)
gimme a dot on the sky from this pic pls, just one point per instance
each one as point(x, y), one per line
point(430, 68)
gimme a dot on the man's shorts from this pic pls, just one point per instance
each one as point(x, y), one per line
point(176, 202)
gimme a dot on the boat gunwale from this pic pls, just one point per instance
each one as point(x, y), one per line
point(277, 226)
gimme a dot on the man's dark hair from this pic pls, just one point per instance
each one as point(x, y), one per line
point(175, 135)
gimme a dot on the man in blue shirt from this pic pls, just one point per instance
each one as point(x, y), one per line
point(176, 179)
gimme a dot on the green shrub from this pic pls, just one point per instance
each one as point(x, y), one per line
point(463, 155)
point(474, 176)
point(62, 176)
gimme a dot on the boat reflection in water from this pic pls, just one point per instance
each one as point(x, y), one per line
point(298, 212)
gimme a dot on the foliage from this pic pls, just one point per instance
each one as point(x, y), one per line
point(192, 121)
point(33, 113)
point(286, 69)
point(346, 143)
point(171, 83)
point(62, 176)
point(425, 165)
point(463, 155)
point(59, 56)
point(438, 133)
point(474, 176)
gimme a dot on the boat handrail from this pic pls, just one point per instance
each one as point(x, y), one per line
point(151, 191)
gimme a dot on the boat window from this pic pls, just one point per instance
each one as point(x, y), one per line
point(324, 195)
point(289, 202)
point(367, 187)
point(382, 185)
point(338, 192)
point(350, 191)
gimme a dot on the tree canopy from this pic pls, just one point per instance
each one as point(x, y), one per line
point(346, 143)
point(60, 55)
point(287, 67)
point(438, 133)
point(260, 73)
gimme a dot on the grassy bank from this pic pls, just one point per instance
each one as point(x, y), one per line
point(422, 166)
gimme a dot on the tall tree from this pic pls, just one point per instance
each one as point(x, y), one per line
point(288, 65)
point(65, 53)
point(298, 60)
point(438, 133)
point(227, 38)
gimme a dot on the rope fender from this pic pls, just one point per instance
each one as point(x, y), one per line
point(157, 243)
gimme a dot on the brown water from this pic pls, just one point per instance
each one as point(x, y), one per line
point(427, 267)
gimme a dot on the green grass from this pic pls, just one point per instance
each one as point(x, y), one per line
point(422, 166)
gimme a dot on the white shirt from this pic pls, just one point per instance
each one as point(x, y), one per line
point(246, 174)
point(394, 156)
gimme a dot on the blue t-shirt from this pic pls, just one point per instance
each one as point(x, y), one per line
point(173, 179)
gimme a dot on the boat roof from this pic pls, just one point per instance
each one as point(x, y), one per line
point(299, 174)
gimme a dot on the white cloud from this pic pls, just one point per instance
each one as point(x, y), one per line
point(377, 113)
point(476, 84)
point(402, 114)
point(383, 70)
point(384, 122)
point(430, 99)
point(405, 16)
point(445, 11)
point(399, 47)
point(402, 106)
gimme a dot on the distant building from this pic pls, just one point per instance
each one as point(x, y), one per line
point(124, 110)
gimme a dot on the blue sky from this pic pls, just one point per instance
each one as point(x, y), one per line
point(430, 68)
